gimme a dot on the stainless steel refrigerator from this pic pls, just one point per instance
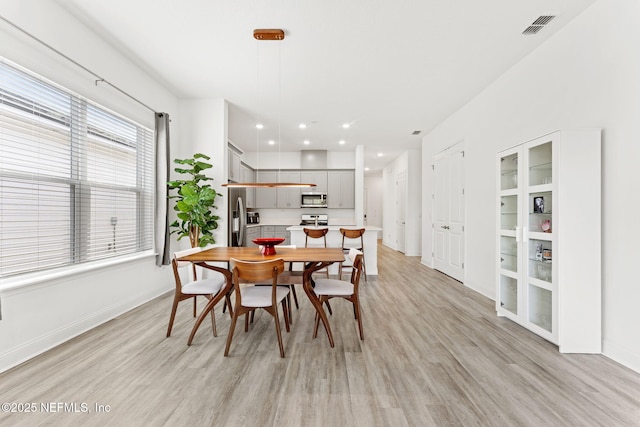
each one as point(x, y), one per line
point(237, 217)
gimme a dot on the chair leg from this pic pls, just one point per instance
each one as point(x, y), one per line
point(295, 297)
point(227, 301)
point(364, 269)
point(213, 323)
point(286, 310)
point(230, 337)
point(326, 302)
point(323, 300)
point(173, 314)
point(275, 318)
point(246, 320)
point(194, 306)
point(356, 306)
point(290, 314)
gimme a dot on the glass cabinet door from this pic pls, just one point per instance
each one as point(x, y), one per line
point(509, 225)
point(539, 239)
point(509, 172)
point(509, 294)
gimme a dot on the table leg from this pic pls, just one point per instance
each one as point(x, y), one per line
point(315, 301)
point(213, 301)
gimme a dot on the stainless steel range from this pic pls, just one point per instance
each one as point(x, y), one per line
point(314, 219)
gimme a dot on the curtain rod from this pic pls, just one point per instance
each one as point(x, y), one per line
point(99, 79)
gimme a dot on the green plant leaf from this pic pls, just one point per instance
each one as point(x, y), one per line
point(194, 201)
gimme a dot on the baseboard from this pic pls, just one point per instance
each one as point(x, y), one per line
point(622, 355)
point(34, 347)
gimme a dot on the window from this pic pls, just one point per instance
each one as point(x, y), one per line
point(76, 180)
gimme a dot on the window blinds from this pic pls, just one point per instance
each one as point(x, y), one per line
point(76, 180)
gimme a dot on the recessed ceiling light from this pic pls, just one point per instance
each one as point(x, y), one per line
point(380, 154)
point(346, 125)
point(302, 126)
point(342, 142)
point(366, 169)
point(272, 142)
point(259, 126)
point(307, 142)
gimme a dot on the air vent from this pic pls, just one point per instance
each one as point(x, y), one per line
point(416, 132)
point(538, 24)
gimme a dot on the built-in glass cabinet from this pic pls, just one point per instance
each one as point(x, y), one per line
point(535, 180)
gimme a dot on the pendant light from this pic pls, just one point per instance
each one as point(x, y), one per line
point(260, 35)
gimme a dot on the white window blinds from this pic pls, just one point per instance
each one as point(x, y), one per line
point(76, 180)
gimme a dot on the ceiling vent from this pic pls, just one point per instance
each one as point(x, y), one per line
point(538, 24)
point(416, 132)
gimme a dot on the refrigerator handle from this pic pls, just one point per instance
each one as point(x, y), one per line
point(242, 217)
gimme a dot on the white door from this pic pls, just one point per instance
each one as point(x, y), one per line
point(401, 189)
point(448, 225)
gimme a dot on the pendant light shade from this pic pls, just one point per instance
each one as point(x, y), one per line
point(261, 35)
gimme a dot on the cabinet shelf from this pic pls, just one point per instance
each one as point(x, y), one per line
point(541, 166)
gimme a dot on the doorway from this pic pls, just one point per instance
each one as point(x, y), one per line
point(449, 212)
point(401, 205)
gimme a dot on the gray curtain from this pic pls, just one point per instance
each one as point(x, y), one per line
point(162, 241)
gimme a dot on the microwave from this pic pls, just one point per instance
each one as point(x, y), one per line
point(313, 200)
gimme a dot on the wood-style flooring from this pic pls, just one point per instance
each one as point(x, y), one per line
point(434, 353)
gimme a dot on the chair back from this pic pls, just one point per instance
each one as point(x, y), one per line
point(179, 270)
point(357, 268)
point(352, 234)
point(315, 233)
point(255, 272)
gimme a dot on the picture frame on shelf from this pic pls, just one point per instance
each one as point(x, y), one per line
point(538, 204)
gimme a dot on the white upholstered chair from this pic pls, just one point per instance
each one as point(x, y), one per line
point(189, 286)
point(250, 297)
point(326, 289)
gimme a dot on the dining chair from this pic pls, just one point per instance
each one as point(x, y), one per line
point(245, 275)
point(189, 286)
point(352, 238)
point(326, 289)
point(294, 277)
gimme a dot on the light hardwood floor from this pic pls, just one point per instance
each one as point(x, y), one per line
point(434, 353)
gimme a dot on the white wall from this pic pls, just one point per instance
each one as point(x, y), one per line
point(53, 310)
point(584, 76)
point(204, 130)
point(373, 188)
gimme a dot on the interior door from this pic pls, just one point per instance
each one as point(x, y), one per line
point(448, 224)
point(401, 202)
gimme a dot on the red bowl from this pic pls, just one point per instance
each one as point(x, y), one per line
point(268, 244)
point(268, 240)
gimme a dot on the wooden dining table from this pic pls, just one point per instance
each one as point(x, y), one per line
point(313, 258)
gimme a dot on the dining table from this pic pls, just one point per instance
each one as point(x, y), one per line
point(313, 258)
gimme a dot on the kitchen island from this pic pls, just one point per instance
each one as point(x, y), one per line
point(334, 239)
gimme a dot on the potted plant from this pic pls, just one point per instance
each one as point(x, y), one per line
point(195, 202)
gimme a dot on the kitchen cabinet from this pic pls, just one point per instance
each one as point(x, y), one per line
point(549, 238)
point(266, 197)
point(341, 189)
point(288, 198)
point(277, 231)
point(281, 231)
point(315, 177)
point(253, 232)
point(247, 174)
point(234, 165)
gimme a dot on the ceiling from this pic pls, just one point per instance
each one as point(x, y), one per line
point(386, 67)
